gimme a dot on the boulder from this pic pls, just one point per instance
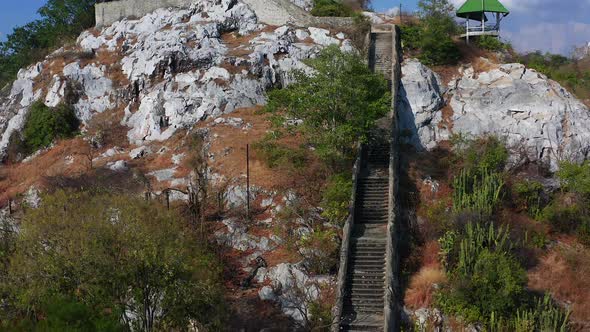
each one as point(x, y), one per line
point(540, 121)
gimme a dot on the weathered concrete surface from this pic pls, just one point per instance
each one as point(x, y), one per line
point(108, 13)
point(271, 12)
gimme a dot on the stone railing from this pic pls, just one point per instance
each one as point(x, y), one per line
point(392, 310)
point(345, 246)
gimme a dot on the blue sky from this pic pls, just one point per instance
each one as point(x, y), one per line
point(548, 25)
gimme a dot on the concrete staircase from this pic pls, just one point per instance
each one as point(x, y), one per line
point(381, 53)
point(365, 283)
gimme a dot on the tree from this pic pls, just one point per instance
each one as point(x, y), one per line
point(117, 254)
point(339, 101)
point(439, 27)
point(61, 20)
point(45, 124)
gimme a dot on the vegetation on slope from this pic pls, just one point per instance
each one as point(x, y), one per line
point(486, 241)
point(61, 21)
point(45, 124)
point(100, 261)
point(335, 117)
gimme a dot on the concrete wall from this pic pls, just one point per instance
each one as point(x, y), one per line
point(271, 12)
point(108, 13)
point(393, 295)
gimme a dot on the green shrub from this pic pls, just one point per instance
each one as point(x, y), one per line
point(544, 316)
point(62, 314)
point(528, 196)
point(336, 198)
point(332, 8)
point(568, 216)
point(478, 239)
point(438, 48)
point(491, 43)
point(575, 177)
point(496, 285)
point(411, 36)
point(336, 114)
point(483, 153)
point(438, 29)
point(477, 194)
point(119, 253)
point(45, 124)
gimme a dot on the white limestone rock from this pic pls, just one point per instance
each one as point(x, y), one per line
point(421, 98)
point(540, 120)
point(176, 69)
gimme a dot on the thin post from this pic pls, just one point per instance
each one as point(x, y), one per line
point(467, 32)
point(248, 178)
point(168, 199)
point(483, 16)
point(401, 17)
point(10, 206)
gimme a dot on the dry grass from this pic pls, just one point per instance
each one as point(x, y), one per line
point(421, 290)
point(565, 273)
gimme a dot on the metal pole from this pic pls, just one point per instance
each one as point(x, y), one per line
point(10, 207)
point(483, 16)
point(168, 199)
point(248, 178)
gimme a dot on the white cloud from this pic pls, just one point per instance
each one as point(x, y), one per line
point(552, 37)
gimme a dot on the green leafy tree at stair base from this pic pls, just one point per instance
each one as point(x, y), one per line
point(338, 101)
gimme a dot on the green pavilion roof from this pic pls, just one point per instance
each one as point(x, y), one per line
point(474, 9)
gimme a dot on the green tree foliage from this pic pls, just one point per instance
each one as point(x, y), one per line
point(62, 314)
point(336, 198)
point(483, 153)
point(528, 196)
point(61, 21)
point(575, 177)
point(45, 124)
point(484, 277)
point(491, 43)
point(339, 103)
point(496, 285)
point(331, 8)
point(116, 254)
point(436, 36)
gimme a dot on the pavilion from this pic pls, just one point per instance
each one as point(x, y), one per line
point(476, 10)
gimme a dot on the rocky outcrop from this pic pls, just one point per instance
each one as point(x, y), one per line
point(539, 119)
point(167, 70)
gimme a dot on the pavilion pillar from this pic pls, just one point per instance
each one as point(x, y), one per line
point(467, 30)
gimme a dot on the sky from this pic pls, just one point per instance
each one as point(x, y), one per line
point(547, 25)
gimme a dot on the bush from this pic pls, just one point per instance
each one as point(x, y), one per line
point(336, 198)
point(496, 286)
point(575, 177)
point(528, 196)
point(45, 124)
point(117, 253)
point(331, 8)
point(477, 194)
point(567, 214)
point(483, 153)
point(62, 314)
point(411, 36)
point(336, 114)
point(438, 48)
point(436, 37)
point(491, 43)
